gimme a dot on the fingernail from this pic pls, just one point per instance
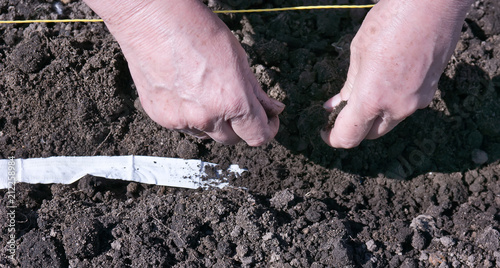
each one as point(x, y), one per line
point(332, 103)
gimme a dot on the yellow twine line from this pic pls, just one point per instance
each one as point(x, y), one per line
point(216, 11)
point(293, 8)
point(48, 21)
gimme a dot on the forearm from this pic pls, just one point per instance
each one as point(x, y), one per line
point(136, 20)
point(124, 15)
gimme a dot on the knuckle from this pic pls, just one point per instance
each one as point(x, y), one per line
point(201, 121)
point(239, 109)
point(167, 122)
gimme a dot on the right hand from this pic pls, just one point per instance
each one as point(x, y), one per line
point(397, 58)
point(191, 73)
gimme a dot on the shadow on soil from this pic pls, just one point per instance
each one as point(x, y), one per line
point(457, 131)
point(304, 63)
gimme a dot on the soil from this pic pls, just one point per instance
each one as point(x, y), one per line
point(332, 117)
point(425, 195)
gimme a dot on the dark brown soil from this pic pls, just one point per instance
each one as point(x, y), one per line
point(335, 113)
point(422, 196)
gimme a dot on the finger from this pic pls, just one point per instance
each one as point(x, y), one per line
point(261, 123)
point(354, 121)
point(399, 111)
point(255, 128)
point(346, 90)
point(380, 127)
point(195, 133)
point(352, 125)
point(271, 106)
point(224, 134)
point(352, 74)
point(333, 102)
point(426, 96)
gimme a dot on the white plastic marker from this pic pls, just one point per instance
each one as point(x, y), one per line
point(172, 172)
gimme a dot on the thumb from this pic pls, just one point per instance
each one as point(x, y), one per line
point(352, 125)
point(356, 119)
point(346, 90)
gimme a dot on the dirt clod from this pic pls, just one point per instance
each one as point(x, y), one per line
point(335, 113)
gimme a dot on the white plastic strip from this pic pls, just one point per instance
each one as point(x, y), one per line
point(172, 172)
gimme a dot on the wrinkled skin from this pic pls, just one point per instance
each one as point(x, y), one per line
point(397, 57)
point(191, 73)
point(193, 76)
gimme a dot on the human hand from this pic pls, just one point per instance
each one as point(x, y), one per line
point(397, 57)
point(191, 73)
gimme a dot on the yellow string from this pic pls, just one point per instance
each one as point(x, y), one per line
point(216, 11)
point(293, 8)
point(48, 21)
